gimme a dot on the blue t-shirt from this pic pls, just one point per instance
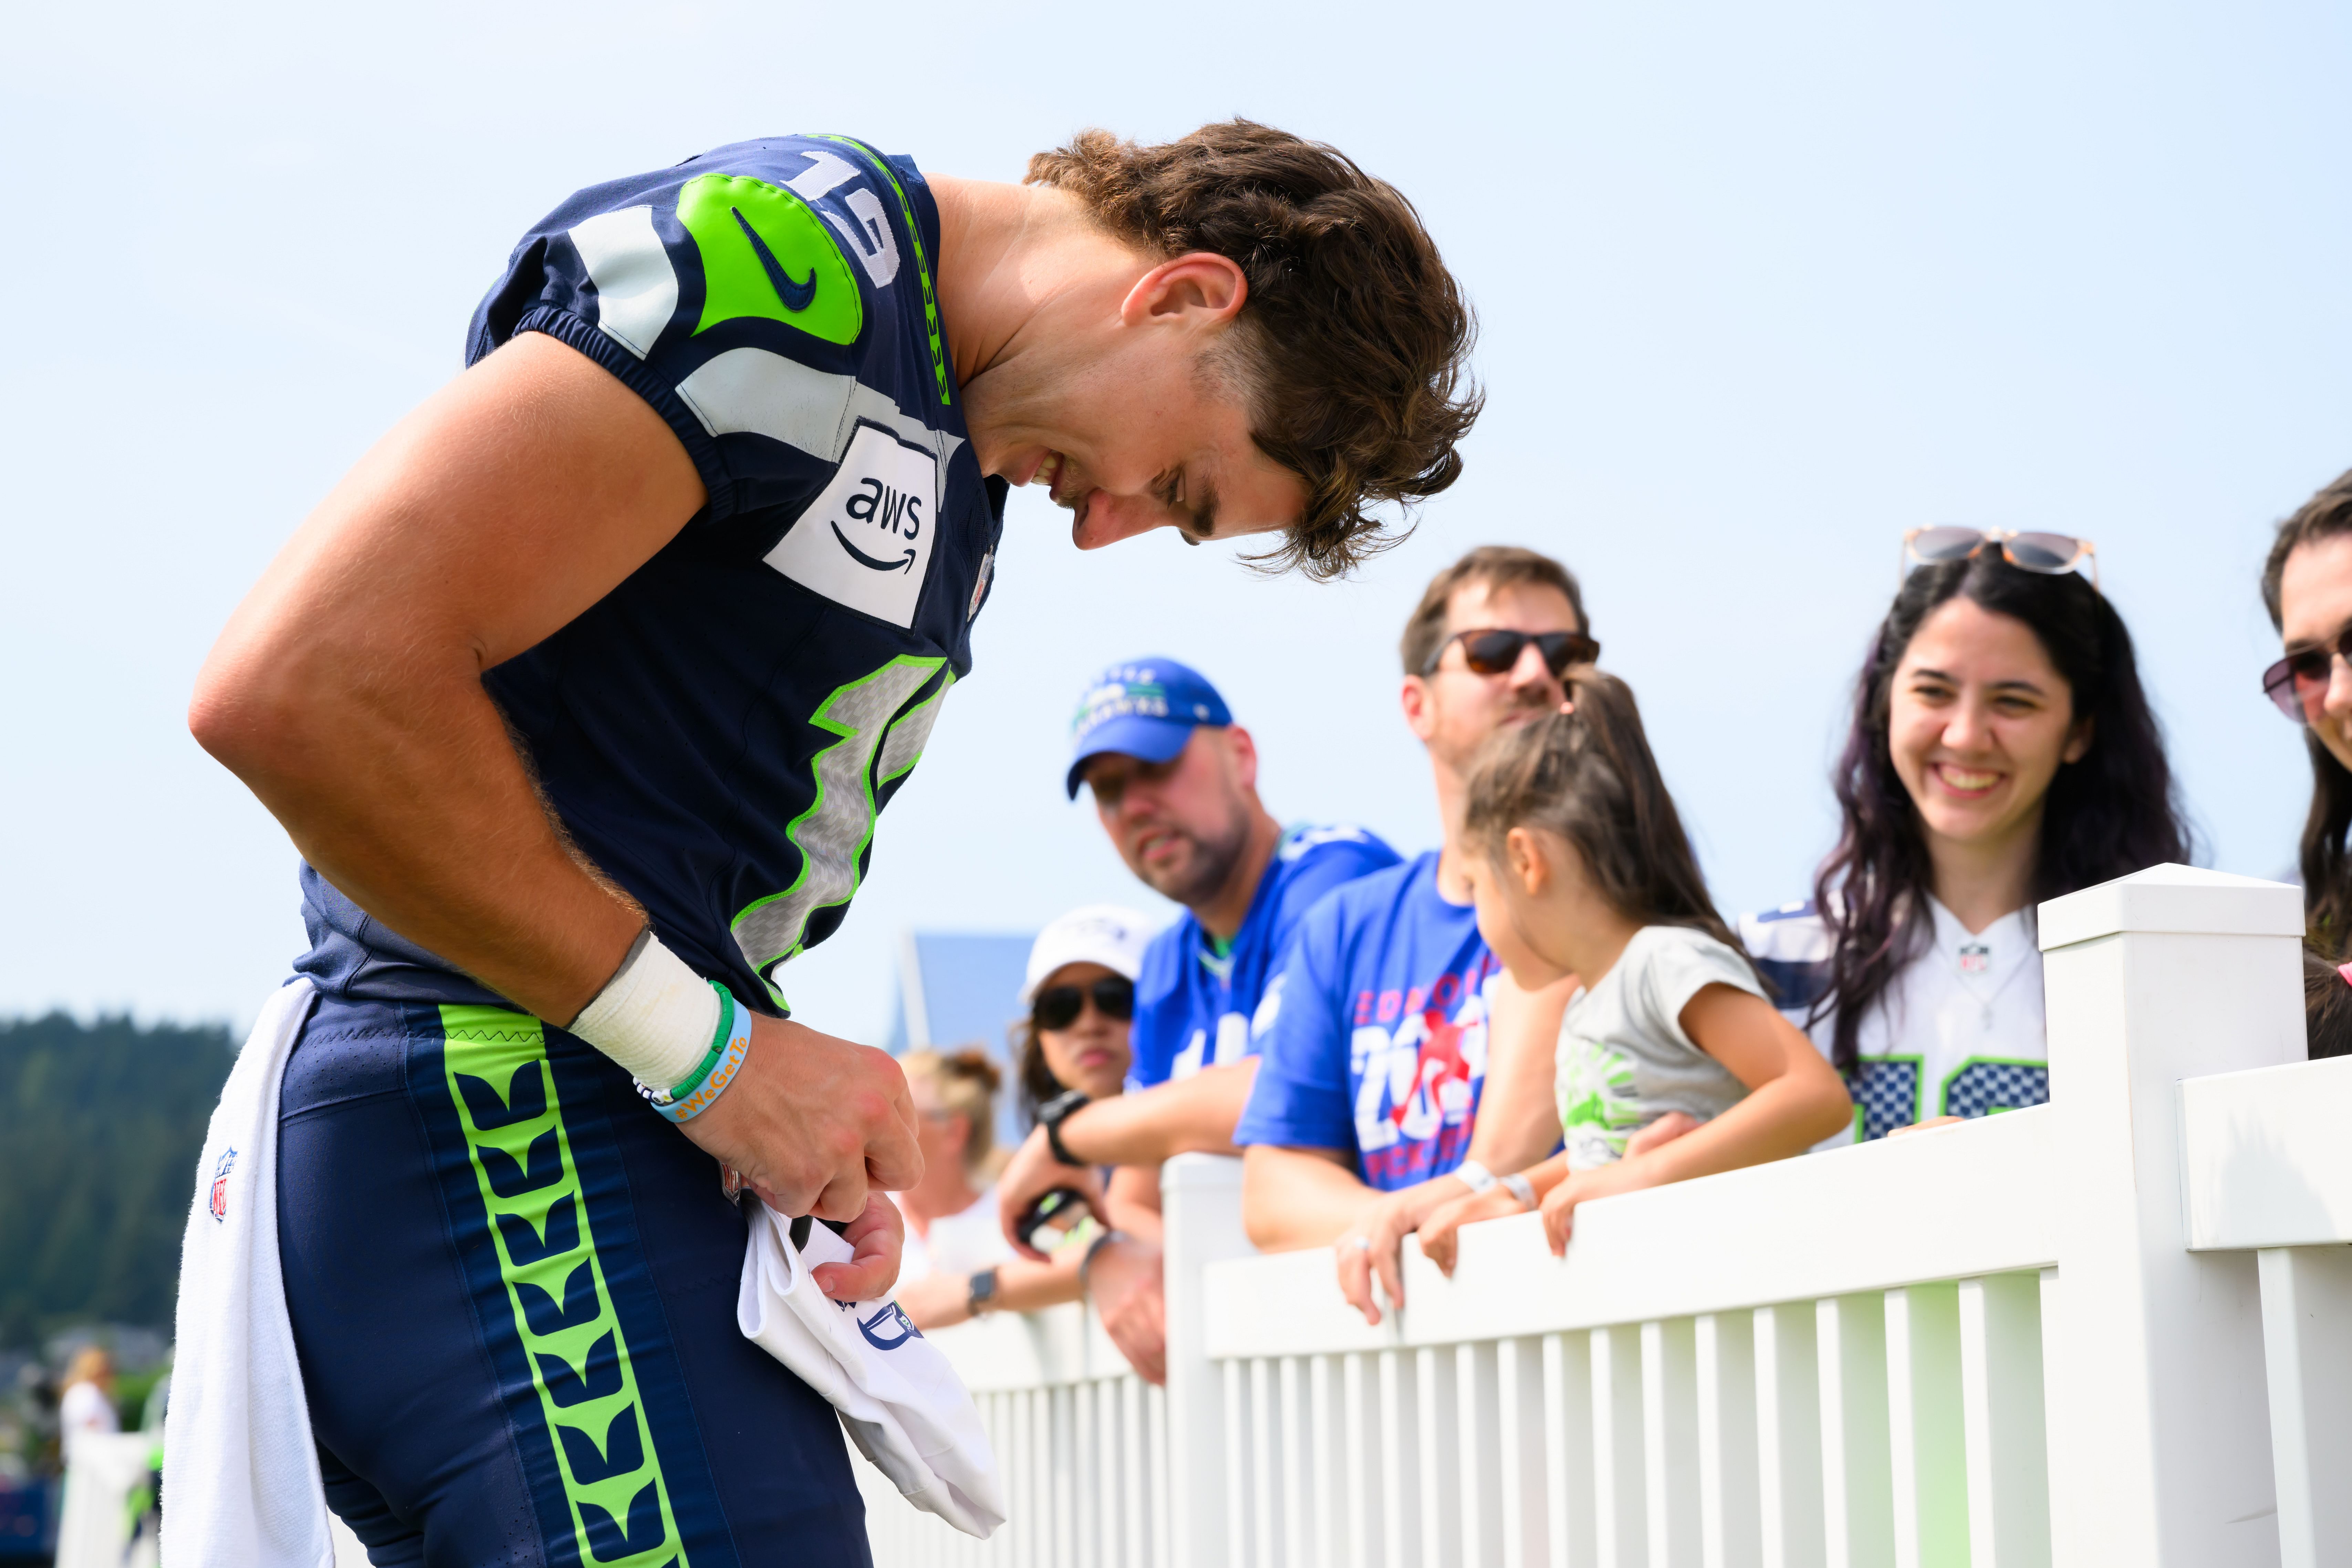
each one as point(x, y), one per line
point(1380, 1046)
point(718, 732)
point(1195, 1007)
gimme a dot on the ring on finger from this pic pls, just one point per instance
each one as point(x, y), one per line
point(1359, 1243)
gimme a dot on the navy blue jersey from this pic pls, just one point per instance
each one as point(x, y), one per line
point(1379, 1049)
point(1196, 1007)
point(720, 731)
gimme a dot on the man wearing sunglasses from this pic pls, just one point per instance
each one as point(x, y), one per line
point(1175, 784)
point(1396, 1020)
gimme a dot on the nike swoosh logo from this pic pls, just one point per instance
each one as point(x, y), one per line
point(868, 561)
point(795, 296)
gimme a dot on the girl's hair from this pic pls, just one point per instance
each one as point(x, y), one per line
point(2327, 877)
point(2113, 811)
point(1587, 775)
point(965, 1083)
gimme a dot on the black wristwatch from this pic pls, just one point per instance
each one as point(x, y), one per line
point(982, 1293)
point(1051, 1114)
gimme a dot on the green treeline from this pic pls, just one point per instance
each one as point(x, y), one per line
point(100, 1126)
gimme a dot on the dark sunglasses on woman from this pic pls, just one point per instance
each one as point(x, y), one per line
point(2298, 683)
point(2050, 554)
point(1496, 652)
point(1058, 1007)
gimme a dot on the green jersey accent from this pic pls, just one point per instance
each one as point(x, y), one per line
point(496, 1064)
point(765, 253)
point(923, 265)
point(833, 834)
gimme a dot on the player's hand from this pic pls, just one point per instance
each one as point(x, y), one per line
point(875, 1238)
point(1374, 1248)
point(1439, 1232)
point(813, 1123)
point(1029, 1174)
point(1130, 1293)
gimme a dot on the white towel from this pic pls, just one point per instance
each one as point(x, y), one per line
point(904, 1406)
point(241, 1473)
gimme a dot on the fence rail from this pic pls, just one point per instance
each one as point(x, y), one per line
point(2114, 1329)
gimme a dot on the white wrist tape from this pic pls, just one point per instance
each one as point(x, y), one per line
point(1522, 1189)
point(656, 1018)
point(1473, 1175)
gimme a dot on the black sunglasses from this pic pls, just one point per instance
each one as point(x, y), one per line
point(1495, 651)
point(1058, 1007)
point(2299, 681)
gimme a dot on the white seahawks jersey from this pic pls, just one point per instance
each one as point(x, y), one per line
point(1960, 1032)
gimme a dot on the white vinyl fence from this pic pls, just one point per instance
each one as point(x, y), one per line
point(2112, 1330)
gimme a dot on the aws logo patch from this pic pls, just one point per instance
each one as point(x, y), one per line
point(866, 540)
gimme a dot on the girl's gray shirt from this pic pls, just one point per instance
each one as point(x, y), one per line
point(1623, 1060)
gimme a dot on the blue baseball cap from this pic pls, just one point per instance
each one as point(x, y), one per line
point(1146, 707)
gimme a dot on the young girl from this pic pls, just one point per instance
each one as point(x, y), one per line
point(1579, 865)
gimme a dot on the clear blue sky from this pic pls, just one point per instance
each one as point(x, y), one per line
point(1760, 287)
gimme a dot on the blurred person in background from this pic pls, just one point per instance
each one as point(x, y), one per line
point(950, 1217)
point(86, 1400)
point(2001, 754)
point(1174, 782)
point(1405, 1068)
point(957, 1264)
point(2307, 588)
point(1075, 1049)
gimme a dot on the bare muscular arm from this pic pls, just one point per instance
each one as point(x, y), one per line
point(347, 693)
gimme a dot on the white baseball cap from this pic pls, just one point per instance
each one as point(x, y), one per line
point(1107, 934)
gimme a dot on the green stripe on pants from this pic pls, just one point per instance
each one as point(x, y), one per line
point(496, 1063)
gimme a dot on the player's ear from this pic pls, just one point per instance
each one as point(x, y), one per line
point(1200, 284)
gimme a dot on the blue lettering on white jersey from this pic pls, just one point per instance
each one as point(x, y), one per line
point(1196, 1008)
point(1379, 1049)
point(718, 732)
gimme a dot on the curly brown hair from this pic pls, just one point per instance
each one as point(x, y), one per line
point(1351, 346)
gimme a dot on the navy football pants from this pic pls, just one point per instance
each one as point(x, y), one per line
point(513, 1293)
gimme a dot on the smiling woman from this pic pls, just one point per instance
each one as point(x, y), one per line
point(2002, 754)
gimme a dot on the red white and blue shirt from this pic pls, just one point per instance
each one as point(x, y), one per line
point(1379, 1046)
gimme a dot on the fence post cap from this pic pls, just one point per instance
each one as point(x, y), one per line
point(2187, 900)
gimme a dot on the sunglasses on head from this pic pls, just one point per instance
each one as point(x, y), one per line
point(1496, 652)
point(2051, 554)
point(1058, 1007)
point(2298, 683)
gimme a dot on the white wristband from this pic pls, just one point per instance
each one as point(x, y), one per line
point(1522, 1189)
point(656, 1018)
point(1473, 1175)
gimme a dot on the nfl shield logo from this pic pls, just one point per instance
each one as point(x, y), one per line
point(220, 1185)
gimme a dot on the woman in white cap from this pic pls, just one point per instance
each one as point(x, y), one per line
point(1080, 993)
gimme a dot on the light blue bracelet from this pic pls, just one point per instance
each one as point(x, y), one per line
point(700, 1089)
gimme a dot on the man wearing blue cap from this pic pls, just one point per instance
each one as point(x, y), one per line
point(1175, 784)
